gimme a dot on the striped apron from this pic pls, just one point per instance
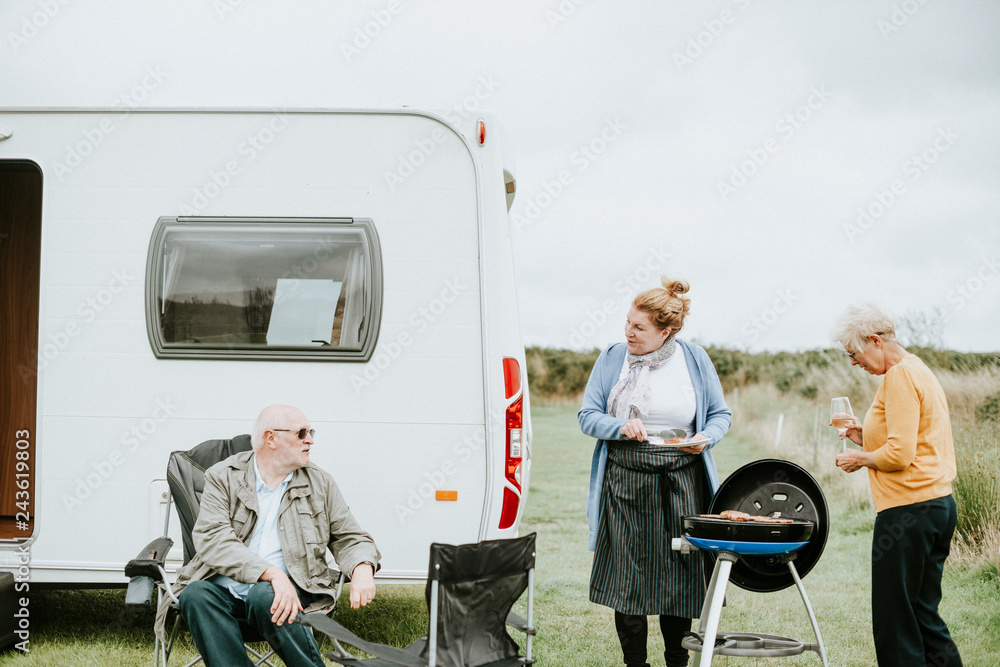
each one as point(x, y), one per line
point(646, 491)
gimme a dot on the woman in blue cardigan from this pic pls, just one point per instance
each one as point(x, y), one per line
point(639, 487)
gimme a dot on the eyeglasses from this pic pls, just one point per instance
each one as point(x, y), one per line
point(301, 433)
point(850, 355)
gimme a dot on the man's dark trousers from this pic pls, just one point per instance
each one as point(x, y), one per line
point(212, 614)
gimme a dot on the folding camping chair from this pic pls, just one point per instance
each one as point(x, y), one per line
point(470, 591)
point(186, 482)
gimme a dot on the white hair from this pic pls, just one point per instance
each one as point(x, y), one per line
point(862, 320)
point(268, 419)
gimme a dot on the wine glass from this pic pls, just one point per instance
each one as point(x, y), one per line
point(841, 416)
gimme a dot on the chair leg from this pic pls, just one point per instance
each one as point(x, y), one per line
point(168, 645)
point(432, 633)
point(259, 658)
point(163, 649)
point(531, 618)
point(265, 659)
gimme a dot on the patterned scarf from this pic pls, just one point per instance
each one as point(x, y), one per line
point(629, 398)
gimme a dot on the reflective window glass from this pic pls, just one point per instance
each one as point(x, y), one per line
point(248, 287)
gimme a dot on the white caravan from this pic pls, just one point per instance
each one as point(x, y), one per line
point(166, 273)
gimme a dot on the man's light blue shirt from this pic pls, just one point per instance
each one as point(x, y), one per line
point(264, 542)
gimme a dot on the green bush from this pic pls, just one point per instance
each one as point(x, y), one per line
point(809, 392)
point(563, 374)
point(959, 362)
point(989, 409)
point(727, 364)
point(558, 373)
point(977, 485)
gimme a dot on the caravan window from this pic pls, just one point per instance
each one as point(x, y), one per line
point(264, 288)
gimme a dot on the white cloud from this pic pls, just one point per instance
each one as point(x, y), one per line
point(686, 131)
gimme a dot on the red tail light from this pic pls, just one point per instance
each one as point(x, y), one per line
point(512, 467)
point(510, 502)
point(511, 377)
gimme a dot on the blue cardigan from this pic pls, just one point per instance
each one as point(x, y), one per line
point(712, 417)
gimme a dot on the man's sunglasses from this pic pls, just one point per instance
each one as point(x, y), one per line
point(301, 432)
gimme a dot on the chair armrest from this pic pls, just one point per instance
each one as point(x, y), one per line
point(341, 578)
point(337, 632)
point(515, 621)
point(150, 561)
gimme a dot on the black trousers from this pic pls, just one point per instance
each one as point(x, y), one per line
point(909, 547)
point(633, 631)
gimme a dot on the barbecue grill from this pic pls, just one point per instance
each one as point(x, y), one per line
point(758, 556)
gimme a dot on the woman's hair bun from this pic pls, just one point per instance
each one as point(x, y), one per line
point(676, 287)
point(667, 307)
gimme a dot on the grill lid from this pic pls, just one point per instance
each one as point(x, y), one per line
point(763, 487)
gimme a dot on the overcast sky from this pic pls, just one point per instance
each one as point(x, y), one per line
point(785, 158)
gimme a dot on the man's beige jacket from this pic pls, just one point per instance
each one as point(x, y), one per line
point(313, 516)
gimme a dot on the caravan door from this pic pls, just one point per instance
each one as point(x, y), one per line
point(20, 258)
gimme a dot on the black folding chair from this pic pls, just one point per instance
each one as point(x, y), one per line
point(186, 482)
point(470, 591)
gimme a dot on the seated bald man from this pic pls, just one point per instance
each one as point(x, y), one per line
point(266, 520)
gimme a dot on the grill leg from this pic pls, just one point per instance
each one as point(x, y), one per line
point(809, 610)
point(708, 624)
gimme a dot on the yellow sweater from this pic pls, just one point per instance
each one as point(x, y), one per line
point(908, 431)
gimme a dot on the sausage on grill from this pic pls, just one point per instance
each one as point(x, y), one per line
point(734, 515)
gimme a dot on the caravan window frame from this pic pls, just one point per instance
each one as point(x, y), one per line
point(363, 299)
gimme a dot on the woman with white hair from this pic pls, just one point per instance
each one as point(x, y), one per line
point(638, 490)
point(910, 457)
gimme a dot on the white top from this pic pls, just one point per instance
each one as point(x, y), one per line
point(671, 400)
point(264, 542)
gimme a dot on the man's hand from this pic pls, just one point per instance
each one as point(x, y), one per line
point(362, 585)
point(286, 603)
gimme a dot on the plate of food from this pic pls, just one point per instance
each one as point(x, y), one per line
point(675, 437)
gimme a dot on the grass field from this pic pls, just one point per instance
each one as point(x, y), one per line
point(577, 632)
point(92, 628)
